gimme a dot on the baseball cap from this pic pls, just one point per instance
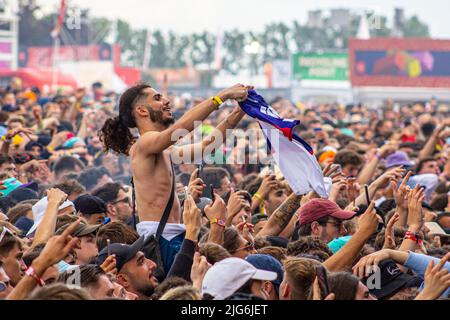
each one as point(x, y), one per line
point(392, 279)
point(320, 208)
point(268, 263)
point(227, 276)
point(88, 204)
point(123, 252)
point(82, 229)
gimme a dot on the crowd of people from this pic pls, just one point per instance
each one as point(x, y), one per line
point(93, 207)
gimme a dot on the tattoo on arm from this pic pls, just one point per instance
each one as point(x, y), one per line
point(283, 215)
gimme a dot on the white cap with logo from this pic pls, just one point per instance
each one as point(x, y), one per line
point(227, 276)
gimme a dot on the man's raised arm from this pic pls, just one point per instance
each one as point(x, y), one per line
point(157, 142)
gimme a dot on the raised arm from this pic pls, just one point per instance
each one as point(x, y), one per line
point(280, 219)
point(56, 249)
point(369, 169)
point(344, 258)
point(46, 228)
point(156, 142)
point(213, 140)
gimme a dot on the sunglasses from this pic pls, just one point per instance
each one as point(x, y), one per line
point(3, 232)
point(124, 200)
point(248, 247)
point(4, 285)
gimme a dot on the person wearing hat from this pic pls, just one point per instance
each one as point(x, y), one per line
point(392, 279)
point(134, 271)
point(443, 219)
point(91, 208)
point(323, 219)
point(398, 159)
point(88, 248)
point(233, 276)
point(268, 263)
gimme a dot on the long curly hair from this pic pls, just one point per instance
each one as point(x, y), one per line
point(115, 134)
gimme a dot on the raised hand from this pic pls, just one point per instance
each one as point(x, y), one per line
point(196, 186)
point(56, 196)
point(19, 131)
point(388, 149)
point(401, 192)
point(339, 185)
point(236, 203)
point(369, 263)
point(236, 92)
point(109, 265)
point(368, 222)
point(58, 247)
point(268, 184)
point(437, 280)
point(192, 218)
point(415, 211)
point(217, 210)
point(389, 234)
point(391, 175)
point(199, 268)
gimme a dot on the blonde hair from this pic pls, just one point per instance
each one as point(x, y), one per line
point(182, 293)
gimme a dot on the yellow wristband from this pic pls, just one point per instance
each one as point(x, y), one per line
point(217, 102)
point(259, 197)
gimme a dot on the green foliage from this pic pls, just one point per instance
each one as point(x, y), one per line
point(170, 50)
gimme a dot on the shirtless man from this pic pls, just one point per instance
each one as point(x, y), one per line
point(144, 108)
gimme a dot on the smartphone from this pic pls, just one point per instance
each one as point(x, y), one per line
point(108, 243)
point(200, 170)
point(213, 196)
point(323, 282)
point(366, 189)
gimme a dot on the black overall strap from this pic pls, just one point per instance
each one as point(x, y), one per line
point(166, 214)
point(133, 196)
point(167, 210)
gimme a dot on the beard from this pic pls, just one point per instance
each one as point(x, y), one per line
point(158, 117)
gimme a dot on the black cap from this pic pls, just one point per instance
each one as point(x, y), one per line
point(123, 252)
point(392, 280)
point(88, 204)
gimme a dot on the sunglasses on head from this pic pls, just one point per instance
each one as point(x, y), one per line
point(3, 231)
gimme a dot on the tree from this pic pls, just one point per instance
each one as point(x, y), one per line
point(415, 28)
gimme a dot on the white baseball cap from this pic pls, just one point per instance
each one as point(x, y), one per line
point(227, 276)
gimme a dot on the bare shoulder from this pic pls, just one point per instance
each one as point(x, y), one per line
point(146, 142)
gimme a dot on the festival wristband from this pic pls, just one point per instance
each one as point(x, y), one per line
point(32, 273)
point(259, 197)
point(220, 223)
point(413, 237)
point(217, 102)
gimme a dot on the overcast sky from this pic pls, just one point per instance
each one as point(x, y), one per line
point(198, 15)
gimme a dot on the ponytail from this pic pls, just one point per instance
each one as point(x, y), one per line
point(116, 136)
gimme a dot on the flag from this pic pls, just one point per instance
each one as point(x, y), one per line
point(293, 155)
point(61, 16)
